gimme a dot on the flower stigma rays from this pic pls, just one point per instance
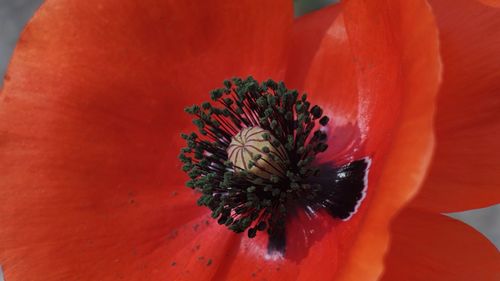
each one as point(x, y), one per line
point(254, 161)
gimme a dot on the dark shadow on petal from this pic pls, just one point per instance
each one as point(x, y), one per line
point(344, 189)
point(277, 242)
point(305, 227)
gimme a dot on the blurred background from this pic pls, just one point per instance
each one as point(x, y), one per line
point(15, 13)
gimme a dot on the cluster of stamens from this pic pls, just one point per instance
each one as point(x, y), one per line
point(254, 153)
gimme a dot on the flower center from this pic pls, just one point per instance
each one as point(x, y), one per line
point(253, 158)
point(252, 150)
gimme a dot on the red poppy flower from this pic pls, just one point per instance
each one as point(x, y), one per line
point(92, 109)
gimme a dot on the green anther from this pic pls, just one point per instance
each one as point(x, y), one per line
point(264, 122)
point(299, 107)
point(229, 221)
point(316, 112)
point(192, 109)
point(204, 163)
point(245, 223)
point(198, 155)
point(215, 123)
point(262, 102)
point(187, 167)
point(306, 105)
point(324, 121)
point(273, 157)
point(194, 173)
point(252, 232)
point(271, 84)
point(268, 112)
point(259, 181)
point(216, 94)
point(271, 100)
point(201, 200)
point(183, 157)
point(190, 183)
point(206, 105)
point(281, 87)
point(226, 112)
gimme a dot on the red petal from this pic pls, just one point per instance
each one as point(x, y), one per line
point(195, 251)
point(315, 250)
point(464, 172)
point(429, 246)
point(321, 63)
point(376, 67)
point(90, 118)
point(493, 3)
point(405, 151)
